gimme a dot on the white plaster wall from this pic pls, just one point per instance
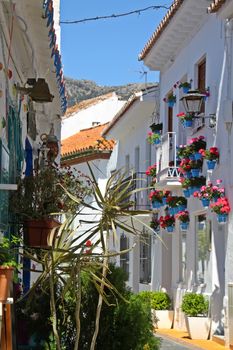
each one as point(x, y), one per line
point(102, 112)
point(208, 42)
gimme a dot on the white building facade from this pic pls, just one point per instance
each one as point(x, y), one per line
point(191, 45)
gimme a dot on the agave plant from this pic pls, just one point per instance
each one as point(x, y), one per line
point(72, 251)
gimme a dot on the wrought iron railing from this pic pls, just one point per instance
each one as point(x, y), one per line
point(139, 180)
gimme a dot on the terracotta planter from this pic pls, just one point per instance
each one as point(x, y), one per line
point(198, 327)
point(6, 276)
point(162, 319)
point(36, 232)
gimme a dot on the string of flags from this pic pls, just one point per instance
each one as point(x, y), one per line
point(55, 54)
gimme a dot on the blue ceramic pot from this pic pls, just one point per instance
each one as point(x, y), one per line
point(211, 164)
point(195, 172)
point(171, 103)
point(188, 174)
point(192, 157)
point(197, 156)
point(184, 226)
point(185, 89)
point(222, 218)
point(164, 199)
point(156, 205)
point(170, 228)
point(182, 207)
point(157, 141)
point(205, 202)
point(186, 193)
point(188, 123)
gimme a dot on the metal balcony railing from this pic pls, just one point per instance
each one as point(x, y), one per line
point(166, 157)
point(139, 180)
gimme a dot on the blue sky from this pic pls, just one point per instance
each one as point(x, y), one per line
point(106, 51)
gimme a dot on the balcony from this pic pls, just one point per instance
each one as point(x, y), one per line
point(166, 160)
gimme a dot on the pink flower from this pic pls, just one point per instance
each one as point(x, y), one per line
point(218, 181)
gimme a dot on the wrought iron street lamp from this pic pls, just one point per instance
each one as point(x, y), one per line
point(193, 102)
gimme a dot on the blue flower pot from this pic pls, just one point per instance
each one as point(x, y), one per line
point(193, 189)
point(214, 199)
point(171, 211)
point(188, 123)
point(170, 228)
point(222, 218)
point(171, 103)
point(188, 175)
point(184, 226)
point(195, 172)
point(186, 193)
point(157, 141)
point(192, 157)
point(156, 205)
point(205, 202)
point(176, 210)
point(164, 199)
point(197, 156)
point(182, 207)
point(211, 164)
point(185, 89)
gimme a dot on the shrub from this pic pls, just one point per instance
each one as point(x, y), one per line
point(158, 300)
point(195, 305)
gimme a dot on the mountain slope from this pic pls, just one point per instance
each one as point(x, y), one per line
point(79, 90)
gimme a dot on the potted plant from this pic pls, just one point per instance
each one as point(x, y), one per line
point(156, 128)
point(222, 208)
point(186, 119)
point(195, 167)
point(196, 183)
point(154, 224)
point(170, 99)
point(183, 217)
point(156, 197)
point(160, 302)
point(8, 262)
point(211, 155)
point(153, 138)
point(41, 197)
point(185, 184)
point(185, 86)
point(161, 309)
point(151, 170)
point(196, 144)
point(167, 222)
point(195, 306)
point(184, 151)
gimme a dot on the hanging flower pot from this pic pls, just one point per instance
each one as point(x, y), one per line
point(211, 164)
point(192, 156)
point(186, 193)
point(157, 141)
point(188, 174)
point(197, 156)
point(6, 277)
point(184, 226)
point(188, 123)
point(156, 204)
point(222, 218)
point(164, 200)
point(185, 89)
point(195, 172)
point(205, 202)
point(170, 228)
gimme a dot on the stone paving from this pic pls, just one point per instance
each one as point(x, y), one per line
point(167, 344)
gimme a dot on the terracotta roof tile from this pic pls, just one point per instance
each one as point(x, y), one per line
point(215, 5)
point(161, 27)
point(86, 140)
point(87, 103)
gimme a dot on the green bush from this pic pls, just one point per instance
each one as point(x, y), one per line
point(158, 300)
point(195, 305)
point(124, 325)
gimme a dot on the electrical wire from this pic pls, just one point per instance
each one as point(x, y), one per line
point(116, 15)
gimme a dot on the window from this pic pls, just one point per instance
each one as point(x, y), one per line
point(203, 247)
point(201, 83)
point(124, 258)
point(145, 258)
